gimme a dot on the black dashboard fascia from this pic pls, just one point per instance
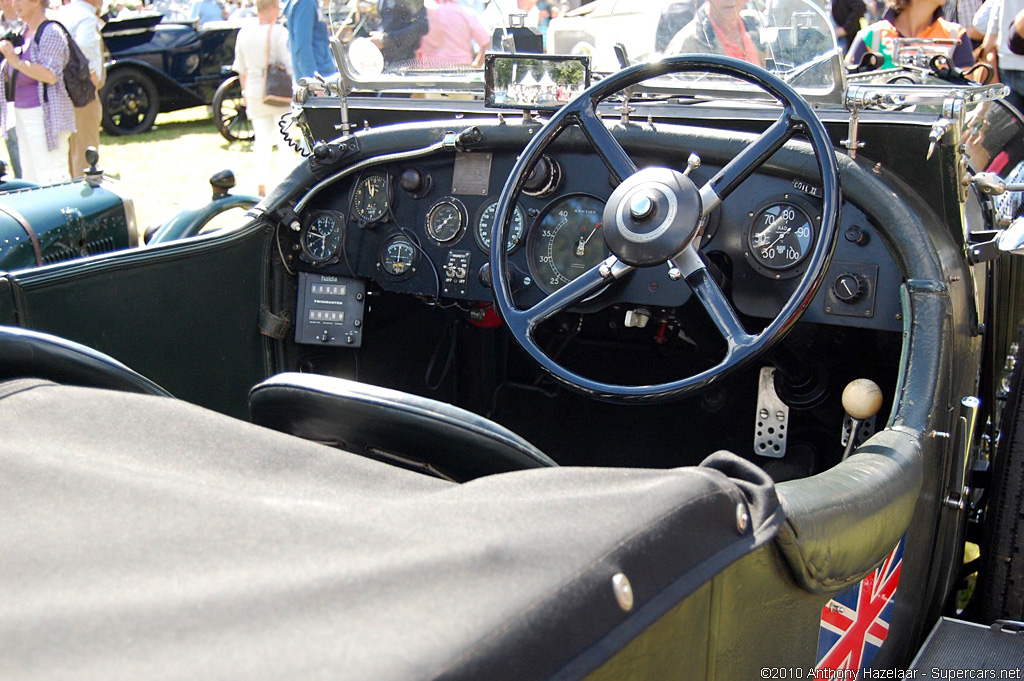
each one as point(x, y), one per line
point(753, 293)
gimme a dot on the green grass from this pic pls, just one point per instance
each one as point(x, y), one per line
point(169, 167)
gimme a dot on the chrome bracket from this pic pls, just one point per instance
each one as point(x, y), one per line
point(953, 118)
point(771, 420)
point(850, 143)
point(967, 423)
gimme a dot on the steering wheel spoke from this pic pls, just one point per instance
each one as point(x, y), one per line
point(747, 161)
point(718, 307)
point(576, 291)
point(607, 147)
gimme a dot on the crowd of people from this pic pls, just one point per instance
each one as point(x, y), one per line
point(46, 136)
point(986, 31)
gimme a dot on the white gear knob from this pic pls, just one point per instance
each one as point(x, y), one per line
point(862, 398)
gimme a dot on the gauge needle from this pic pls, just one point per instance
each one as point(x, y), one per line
point(774, 223)
point(582, 245)
point(781, 237)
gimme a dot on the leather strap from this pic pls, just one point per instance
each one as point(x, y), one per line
point(270, 31)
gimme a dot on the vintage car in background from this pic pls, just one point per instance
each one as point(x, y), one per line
point(764, 318)
point(42, 225)
point(157, 65)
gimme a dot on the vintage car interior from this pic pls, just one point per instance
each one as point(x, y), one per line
point(618, 292)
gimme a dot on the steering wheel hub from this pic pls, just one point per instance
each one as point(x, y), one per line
point(652, 216)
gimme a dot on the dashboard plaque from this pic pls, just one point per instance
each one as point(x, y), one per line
point(472, 174)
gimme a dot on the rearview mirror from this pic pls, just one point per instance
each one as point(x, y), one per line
point(534, 81)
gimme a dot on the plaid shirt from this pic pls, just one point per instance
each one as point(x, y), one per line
point(961, 11)
point(58, 111)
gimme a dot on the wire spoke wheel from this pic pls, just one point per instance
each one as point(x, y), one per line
point(229, 112)
point(130, 102)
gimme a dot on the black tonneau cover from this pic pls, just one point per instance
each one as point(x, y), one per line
point(147, 538)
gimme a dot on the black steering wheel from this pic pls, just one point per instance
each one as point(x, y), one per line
point(653, 218)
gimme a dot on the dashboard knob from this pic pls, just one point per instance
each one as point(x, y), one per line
point(414, 181)
point(848, 288)
point(321, 151)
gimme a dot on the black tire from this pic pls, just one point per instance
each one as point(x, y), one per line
point(229, 112)
point(1001, 579)
point(130, 102)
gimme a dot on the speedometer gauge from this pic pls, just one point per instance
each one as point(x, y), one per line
point(567, 241)
point(371, 198)
point(781, 236)
point(322, 237)
point(486, 223)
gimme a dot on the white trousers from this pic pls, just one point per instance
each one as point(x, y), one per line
point(39, 164)
point(267, 135)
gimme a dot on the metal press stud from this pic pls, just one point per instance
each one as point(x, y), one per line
point(623, 591)
point(742, 518)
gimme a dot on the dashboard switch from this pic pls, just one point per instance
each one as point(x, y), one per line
point(456, 273)
point(848, 288)
point(851, 289)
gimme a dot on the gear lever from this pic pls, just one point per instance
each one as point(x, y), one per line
point(862, 398)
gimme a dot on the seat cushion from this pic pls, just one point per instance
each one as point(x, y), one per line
point(416, 432)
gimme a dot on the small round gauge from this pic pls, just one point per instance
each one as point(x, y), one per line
point(398, 256)
point(486, 221)
point(446, 220)
point(567, 241)
point(321, 239)
point(371, 198)
point(781, 236)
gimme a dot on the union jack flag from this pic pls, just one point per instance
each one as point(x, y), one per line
point(855, 622)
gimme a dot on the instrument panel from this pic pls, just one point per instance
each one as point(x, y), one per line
point(416, 230)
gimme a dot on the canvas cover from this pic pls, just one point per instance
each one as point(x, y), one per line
point(147, 538)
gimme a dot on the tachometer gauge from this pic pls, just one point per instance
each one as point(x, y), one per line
point(781, 236)
point(567, 241)
point(371, 198)
point(398, 256)
point(446, 220)
point(322, 237)
point(486, 222)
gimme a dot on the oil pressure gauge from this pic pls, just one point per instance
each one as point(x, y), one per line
point(371, 197)
point(446, 221)
point(780, 238)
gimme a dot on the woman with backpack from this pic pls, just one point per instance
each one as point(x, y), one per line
point(42, 108)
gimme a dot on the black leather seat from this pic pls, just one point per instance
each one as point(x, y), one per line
point(409, 430)
point(27, 353)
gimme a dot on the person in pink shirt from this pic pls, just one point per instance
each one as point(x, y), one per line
point(455, 37)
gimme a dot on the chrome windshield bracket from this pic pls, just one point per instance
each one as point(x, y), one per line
point(850, 143)
point(953, 117)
